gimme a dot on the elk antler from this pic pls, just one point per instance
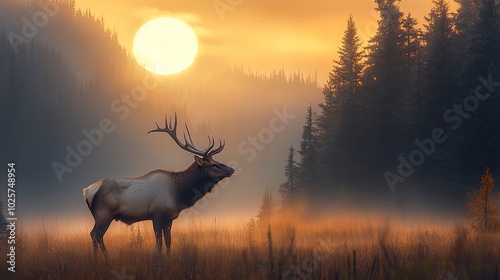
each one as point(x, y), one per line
point(188, 145)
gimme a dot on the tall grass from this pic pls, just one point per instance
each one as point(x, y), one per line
point(348, 248)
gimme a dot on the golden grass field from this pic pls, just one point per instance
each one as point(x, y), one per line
point(348, 247)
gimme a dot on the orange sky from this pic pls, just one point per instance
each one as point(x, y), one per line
point(257, 34)
point(261, 35)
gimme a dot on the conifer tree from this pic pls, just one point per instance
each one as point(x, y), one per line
point(326, 130)
point(385, 87)
point(483, 204)
point(467, 14)
point(338, 122)
point(484, 46)
point(385, 62)
point(413, 50)
point(440, 71)
point(411, 41)
point(440, 75)
point(440, 68)
point(290, 188)
point(465, 19)
point(267, 207)
point(478, 140)
point(346, 74)
point(309, 167)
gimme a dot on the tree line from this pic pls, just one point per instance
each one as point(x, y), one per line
point(409, 117)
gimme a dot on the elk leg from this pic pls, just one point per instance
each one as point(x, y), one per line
point(97, 234)
point(103, 248)
point(167, 226)
point(157, 227)
point(95, 243)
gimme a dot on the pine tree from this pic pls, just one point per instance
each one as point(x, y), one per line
point(484, 46)
point(267, 207)
point(349, 127)
point(308, 167)
point(386, 52)
point(440, 76)
point(338, 123)
point(326, 132)
point(385, 89)
point(466, 17)
point(440, 68)
point(290, 188)
point(347, 70)
point(412, 42)
point(477, 142)
point(483, 206)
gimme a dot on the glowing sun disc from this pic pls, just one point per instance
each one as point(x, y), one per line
point(165, 46)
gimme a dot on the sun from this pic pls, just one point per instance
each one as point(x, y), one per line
point(165, 46)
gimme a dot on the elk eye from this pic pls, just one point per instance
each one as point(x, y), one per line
point(216, 166)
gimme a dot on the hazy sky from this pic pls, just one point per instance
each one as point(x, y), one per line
point(261, 35)
point(256, 34)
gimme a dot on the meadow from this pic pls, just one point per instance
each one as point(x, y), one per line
point(343, 247)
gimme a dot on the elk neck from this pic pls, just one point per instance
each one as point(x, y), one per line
point(192, 184)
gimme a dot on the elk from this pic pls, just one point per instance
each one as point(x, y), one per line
point(159, 195)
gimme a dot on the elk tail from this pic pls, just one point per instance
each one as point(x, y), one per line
point(90, 192)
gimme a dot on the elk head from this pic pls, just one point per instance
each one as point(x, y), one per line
point(203, 158)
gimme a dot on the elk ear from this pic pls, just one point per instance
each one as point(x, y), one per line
point(198, 160)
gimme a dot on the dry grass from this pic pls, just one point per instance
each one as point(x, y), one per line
point(347, 248)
